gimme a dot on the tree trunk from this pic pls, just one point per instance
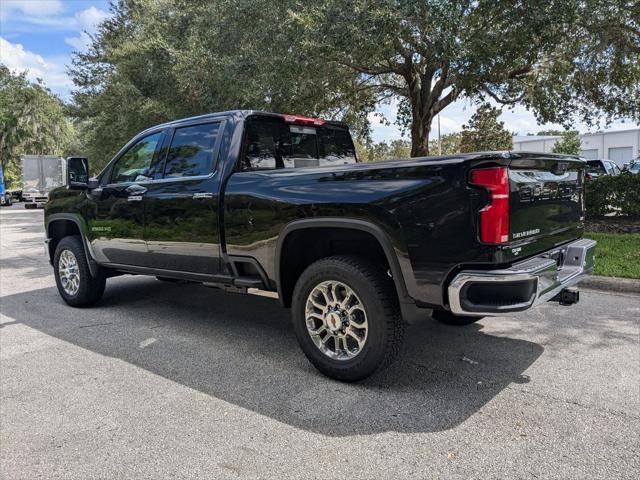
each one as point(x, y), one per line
point(420, 136)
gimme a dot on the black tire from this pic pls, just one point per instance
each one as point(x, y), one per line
point(375, 290)
point(449, 318)
point(90, 288)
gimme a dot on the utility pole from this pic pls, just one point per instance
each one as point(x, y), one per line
point(439, 142)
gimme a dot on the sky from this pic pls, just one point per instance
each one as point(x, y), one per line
point(39, 36)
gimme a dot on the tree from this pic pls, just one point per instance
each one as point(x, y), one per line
point(154, 61)
point(32, 120)
point(551, 132)
point(484, 132)
point(400, 149)
point(556, 57)
point(374, 152)
point(569, 144)
point(449, 143)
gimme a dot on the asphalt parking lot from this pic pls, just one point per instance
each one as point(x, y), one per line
point(181, 381)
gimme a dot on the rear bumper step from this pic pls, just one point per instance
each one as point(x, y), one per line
point(520, 287)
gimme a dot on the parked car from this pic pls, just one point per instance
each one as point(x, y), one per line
point(248, 199)
point(634, 167)
point(597, 168)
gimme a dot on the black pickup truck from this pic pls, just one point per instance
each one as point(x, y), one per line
point(248, 199)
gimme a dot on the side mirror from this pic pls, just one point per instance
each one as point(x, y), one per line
point(77, 172)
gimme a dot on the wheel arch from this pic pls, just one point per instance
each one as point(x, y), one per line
point(61, 225)
point(285, 285)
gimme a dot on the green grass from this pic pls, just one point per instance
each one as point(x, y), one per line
point(617, 254)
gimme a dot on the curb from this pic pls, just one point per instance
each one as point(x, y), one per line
point(611, 284)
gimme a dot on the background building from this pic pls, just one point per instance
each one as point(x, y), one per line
point(620, 146)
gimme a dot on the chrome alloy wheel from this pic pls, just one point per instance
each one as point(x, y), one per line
point(336, 320)
point(68, 272)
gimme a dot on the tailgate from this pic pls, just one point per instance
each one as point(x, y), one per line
point(546, 201)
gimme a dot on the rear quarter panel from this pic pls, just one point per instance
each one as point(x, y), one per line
point(424, 206)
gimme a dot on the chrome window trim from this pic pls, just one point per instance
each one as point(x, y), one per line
point(166, 129)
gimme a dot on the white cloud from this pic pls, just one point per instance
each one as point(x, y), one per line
point(90, 18)
point(52, 72)
point(35, 8)
point(447, 125)
point(87, 21)
point(81, 42)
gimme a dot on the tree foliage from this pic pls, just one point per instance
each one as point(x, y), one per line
point(484, 132)
point(557, 57)
point(32, 121)
point(551, 132)
point(375, 152)
point(449, 143)
point(617, 195)
point(569, 144)
point(156, 61)
point(163, 59)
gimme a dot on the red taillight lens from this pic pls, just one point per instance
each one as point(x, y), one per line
point(300, 120)
point(494, 218)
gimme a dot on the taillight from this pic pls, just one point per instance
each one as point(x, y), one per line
point(300, 120)
point(494, 218)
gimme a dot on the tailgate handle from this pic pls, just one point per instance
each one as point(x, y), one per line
point(203, 195)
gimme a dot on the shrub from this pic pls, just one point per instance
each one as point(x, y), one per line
point(619, 195)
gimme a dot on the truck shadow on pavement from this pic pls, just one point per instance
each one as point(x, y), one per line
point(241, 349)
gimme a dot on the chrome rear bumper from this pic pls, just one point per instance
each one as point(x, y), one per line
point(520, 287)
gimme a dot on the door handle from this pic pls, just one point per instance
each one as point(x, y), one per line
point(136, 189)
point(203, 195)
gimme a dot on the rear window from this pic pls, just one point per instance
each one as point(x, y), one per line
point(595, 166)
point(272, 143)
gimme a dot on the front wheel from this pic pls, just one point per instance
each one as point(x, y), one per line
point(346, 317)
point(75, 283)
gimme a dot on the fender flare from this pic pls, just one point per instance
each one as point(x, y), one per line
point(332, 222)
point(94, 268)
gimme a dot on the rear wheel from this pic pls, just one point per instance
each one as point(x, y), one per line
point(346, 317)
point(75, 283)
point(449, 318)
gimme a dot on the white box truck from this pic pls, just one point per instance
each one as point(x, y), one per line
point(40, 175)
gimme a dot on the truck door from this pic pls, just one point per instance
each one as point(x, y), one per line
point(115, 214)
point(181, 204)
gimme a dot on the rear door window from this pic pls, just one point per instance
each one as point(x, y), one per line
point(191, 151)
